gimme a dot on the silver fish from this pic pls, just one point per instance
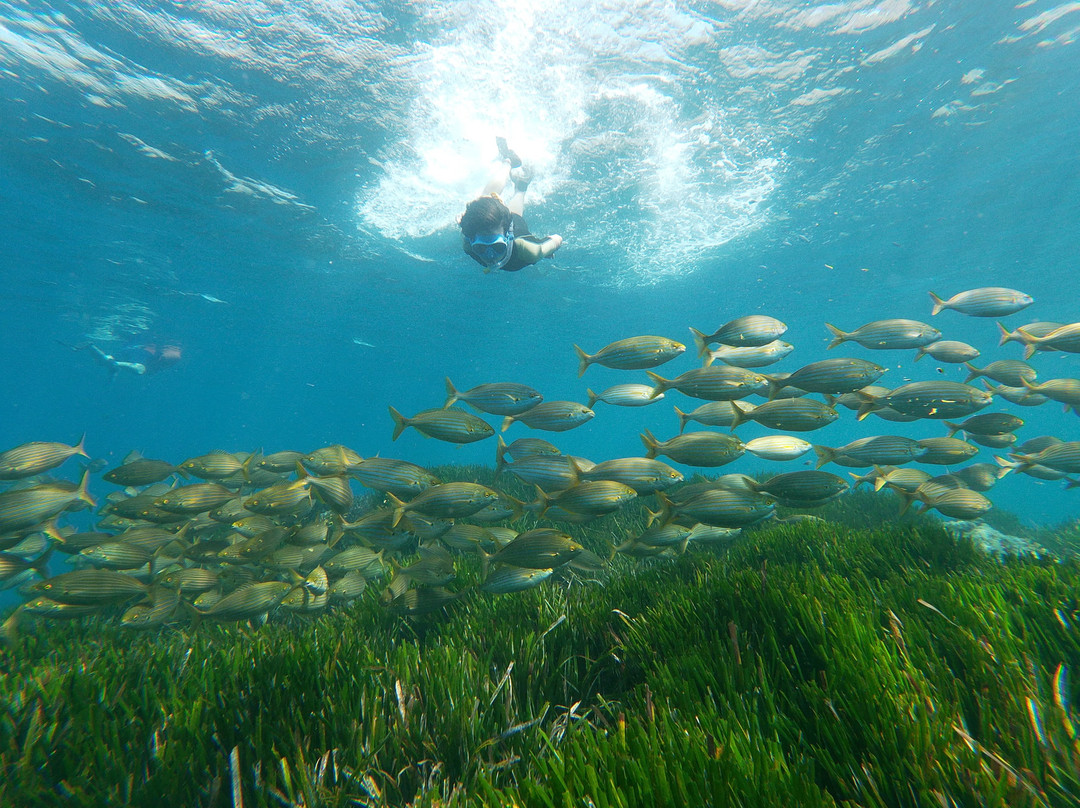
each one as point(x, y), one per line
point(789, 415)
point(451, 425)
point(695, 448)
point(758, 356)
point(833, 376)
point(946, 451)
point(498, 398)
point(946, 350)
point(778, 447)
point(552, 416)
point(37, 457)
point(715, 383)
point(751, 331)
point(624, 395)
point(987, 301)
point(882, 335)
point(987, 423)
point(1010, 372)
point(712, 413)
point(632, 353)
point(802, 489)
point(938, 400)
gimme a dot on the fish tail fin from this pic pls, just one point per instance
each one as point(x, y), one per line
point(399, 423)
point(194, 611)
point(593, 398)
point(42, 561)
point(906, 498)
point(683, 419)
point(500, 455)
point(868, 405)
point(939, 304)
point(953, 428)
point(399, 509)
point(738, 415)
point(974, 372)
point(825, 454)
point(296, 578)
point(1026, 382)
point(451, 393)
point(80, 447)
point(584, 360)
point(82, 492)
point(663, 515)
point(839, 337)
point(245, 467)
point(879, 478)
point(506, 422)
point(660, 384)
point(651, 443)
point(336, 531)
point(575, 471)
point(52, 531)
point(775, 385)
point(1031, 342)
point(701, 342)
point(1005, 334)
point(516, 505)
point(708, 360)
point(9, 629)
point(1008, 465)
point(543, 501)
point(919, 353)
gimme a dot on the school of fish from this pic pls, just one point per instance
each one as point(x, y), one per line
point(237, 536)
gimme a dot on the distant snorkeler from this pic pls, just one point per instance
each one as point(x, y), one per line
point(493, 233)
point(136, 359)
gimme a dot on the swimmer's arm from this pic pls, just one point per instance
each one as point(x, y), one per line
point(533, 251)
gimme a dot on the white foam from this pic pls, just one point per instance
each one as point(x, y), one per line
point(634, 168)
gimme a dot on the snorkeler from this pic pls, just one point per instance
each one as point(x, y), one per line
point(140, 360)
point(493, 233)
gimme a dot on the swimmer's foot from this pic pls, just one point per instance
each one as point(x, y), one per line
point(506, 153)
point(521, 177)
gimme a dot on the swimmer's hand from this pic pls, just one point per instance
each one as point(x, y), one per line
point(550, 245)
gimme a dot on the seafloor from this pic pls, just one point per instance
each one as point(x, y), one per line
point(864, 660)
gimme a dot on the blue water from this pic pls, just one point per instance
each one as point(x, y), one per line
point(271, 184)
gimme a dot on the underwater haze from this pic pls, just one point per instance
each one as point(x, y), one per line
point(273, 187)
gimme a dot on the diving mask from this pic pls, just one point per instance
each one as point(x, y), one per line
point(493, 249)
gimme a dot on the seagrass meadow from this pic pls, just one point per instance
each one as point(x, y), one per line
point(863, 660)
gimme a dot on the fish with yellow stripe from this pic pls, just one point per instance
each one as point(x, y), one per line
point(37, 457)
point(25, 508)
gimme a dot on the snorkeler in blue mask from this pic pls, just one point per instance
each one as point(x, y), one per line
point(493, 233)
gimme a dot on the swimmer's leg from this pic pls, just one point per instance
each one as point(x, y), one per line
point(510, 179)
point(498, 179)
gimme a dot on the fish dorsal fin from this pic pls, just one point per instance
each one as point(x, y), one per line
point(132, 456)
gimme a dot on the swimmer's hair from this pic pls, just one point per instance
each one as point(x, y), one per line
point(485, 213)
